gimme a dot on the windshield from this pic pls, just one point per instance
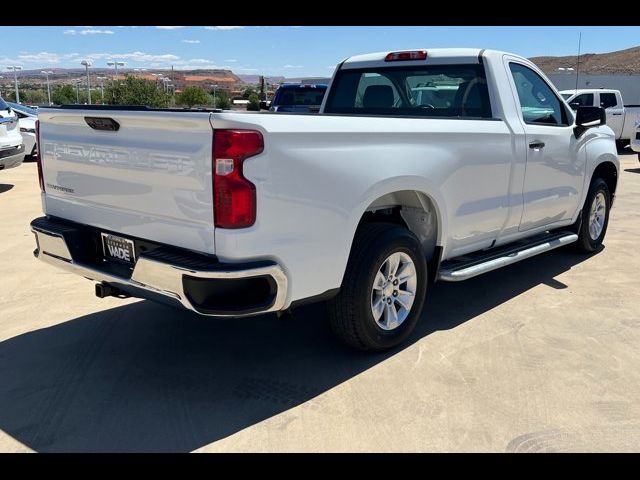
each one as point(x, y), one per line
point(23, 108)
point(302, 96)
point(3, 105)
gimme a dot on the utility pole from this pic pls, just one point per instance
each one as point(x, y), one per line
point(78, 91)
point(47, 73)
point(15, 69)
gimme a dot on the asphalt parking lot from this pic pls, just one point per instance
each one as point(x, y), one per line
point(541, 356)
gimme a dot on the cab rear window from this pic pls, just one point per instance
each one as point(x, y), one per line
point(447, 91)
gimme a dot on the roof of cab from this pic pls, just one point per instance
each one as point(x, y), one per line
point(303, 85)
point(435, 56)
point(573, 91)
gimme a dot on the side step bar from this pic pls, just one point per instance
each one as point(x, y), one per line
point(456, 271)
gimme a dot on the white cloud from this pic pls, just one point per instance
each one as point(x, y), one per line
point(168, 28)
point(293, 66)
point(140, 57)
point(231, 60)
point(92, 31)
point(43, 58)
point(222, 28)
point(69, 32)
point(190, 41)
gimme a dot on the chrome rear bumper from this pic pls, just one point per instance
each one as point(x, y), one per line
point(160, 276)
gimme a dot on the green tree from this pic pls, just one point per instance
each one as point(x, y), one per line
point(63, 94)
point(9, 95)
point(248, 92)
point(36, 97)
point(134, 91)
point(191, 96)
point(222, 100)
point(254, 102)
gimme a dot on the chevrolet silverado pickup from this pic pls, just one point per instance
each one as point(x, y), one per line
point(422, 165)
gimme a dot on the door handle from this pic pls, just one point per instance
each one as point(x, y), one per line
point(536, 145)
point(616, 114)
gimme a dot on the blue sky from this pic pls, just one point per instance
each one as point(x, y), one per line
point(288, 51)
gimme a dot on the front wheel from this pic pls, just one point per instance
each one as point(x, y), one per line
point(383, 288)
point(595, 217)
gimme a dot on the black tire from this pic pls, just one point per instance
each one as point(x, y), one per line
point(585, 243)
point(350, 312)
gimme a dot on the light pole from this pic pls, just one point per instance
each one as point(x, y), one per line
point(47, 73)
point(78, 91)
point(15, 69)
point(102, 79)
point(214, 95)
point(87, 64)
point(113, 63)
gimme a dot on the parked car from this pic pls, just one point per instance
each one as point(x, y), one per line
point(298, 97)
point(621, 118)
point(11, 146)
point(27, 117)
point(235, 214)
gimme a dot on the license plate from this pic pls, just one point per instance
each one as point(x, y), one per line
point(118, 248)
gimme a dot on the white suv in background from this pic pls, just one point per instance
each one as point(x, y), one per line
point(11, 145)
point(27, 117)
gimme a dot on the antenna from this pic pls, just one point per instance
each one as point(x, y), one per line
point(578, 64)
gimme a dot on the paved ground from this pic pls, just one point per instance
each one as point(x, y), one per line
point(542, 356)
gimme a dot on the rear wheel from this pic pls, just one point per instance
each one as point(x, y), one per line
point(595, 217)
point(383, 288)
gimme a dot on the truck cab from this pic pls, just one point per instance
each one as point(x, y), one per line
point(620, 118)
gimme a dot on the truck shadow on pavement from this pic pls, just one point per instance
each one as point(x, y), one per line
point(145, 377)
point(5, 187)
point(632, 170)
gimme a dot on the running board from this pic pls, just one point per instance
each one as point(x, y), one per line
point(463, 268)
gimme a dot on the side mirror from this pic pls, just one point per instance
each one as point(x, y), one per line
point(589, 117)
point(574, 105)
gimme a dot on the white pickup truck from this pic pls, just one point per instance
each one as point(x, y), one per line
point(623, 119)
point(361, 205)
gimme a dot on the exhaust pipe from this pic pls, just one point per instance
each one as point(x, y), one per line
point(105, 290)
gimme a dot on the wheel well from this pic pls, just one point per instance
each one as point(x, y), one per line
point(411, 209)
point(608, 172)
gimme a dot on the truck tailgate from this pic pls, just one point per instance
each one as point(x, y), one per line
point(151, 178)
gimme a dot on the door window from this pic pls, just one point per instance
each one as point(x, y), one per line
point(608, 100)
point(538, 103)
point(584, 100)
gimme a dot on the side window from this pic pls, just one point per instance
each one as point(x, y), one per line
point(584, 100)
point(538, 103)
point(608, 100)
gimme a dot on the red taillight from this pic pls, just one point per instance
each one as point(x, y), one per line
point(39, 156)
point(234, 197)
point(400, 56)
